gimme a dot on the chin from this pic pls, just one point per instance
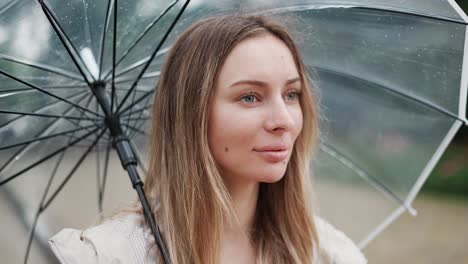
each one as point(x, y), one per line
point(266, 173)
point(272, 180)
point(272, 177)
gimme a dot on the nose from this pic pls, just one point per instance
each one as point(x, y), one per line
point(279, 119)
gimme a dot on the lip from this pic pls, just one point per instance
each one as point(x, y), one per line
point(272, 147)
point(273, 153)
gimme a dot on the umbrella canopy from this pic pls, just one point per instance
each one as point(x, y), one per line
point(390, 78)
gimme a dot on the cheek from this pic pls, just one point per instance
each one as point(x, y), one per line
point(230, 132)
point(297, 117)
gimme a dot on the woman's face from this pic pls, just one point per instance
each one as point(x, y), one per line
point(255, 114)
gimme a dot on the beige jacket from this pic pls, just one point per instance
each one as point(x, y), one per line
point(125, 240)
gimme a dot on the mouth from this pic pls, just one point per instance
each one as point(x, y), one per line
point(273, 154)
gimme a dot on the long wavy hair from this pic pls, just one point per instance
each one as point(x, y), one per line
point(184, 183)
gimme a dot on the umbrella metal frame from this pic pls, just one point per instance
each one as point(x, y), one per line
point(112, 118)
point(129, 162)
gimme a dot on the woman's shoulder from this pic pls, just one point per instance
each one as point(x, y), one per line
point(121, 239)
point(335, 247)
point(124, 239)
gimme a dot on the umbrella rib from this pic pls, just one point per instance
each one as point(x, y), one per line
point(140, 62)
point(43, 67)
point(114, 48)
point(95, 121)
point(7, 6)
point(131, 67)
point(43, 108)
point(124, 89)
point(98, 176)
point(67, 44)
point(373, 181)
point(142, 109)
point(88, 103)
point(103, 39)
point(145, 76)
point(70, 174)
point(40, 210)
point(58, 87)
point(26, 148)
point(153, 55)
point(46, 191)
point(137, 130)
point(133, 103)
point(45, 137)
point(136, 102)
point(102, 185)
point(135, 119)
point(402, 94)
point(368, 7)
point(45, 115)
point(48, 93)
point(71, 120)
point(90, 99)
point(8, 179)
point(140, 37)
point(414, 13)
point(10, 197)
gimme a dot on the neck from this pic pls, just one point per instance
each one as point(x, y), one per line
point(244, 196)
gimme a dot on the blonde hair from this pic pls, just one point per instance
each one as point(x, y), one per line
point(183, 180)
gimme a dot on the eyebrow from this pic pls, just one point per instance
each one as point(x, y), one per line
point(263, 84)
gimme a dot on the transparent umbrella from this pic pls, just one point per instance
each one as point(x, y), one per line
point(390, 77)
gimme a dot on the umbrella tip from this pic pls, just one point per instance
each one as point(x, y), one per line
point(412, 211)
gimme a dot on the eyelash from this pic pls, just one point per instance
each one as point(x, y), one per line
point(247, 95)
point(295, 92)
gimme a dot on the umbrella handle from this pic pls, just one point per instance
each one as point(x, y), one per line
point(129, 162)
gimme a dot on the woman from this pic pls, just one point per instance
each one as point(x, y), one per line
point(234, 124)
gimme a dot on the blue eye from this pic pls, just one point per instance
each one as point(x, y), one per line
point(249, 98)
point(293, 95)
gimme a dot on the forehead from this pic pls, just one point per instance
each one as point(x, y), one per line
point(264, 58)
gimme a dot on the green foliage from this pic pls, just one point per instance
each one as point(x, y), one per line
point(463, 4)
point(451, 174)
